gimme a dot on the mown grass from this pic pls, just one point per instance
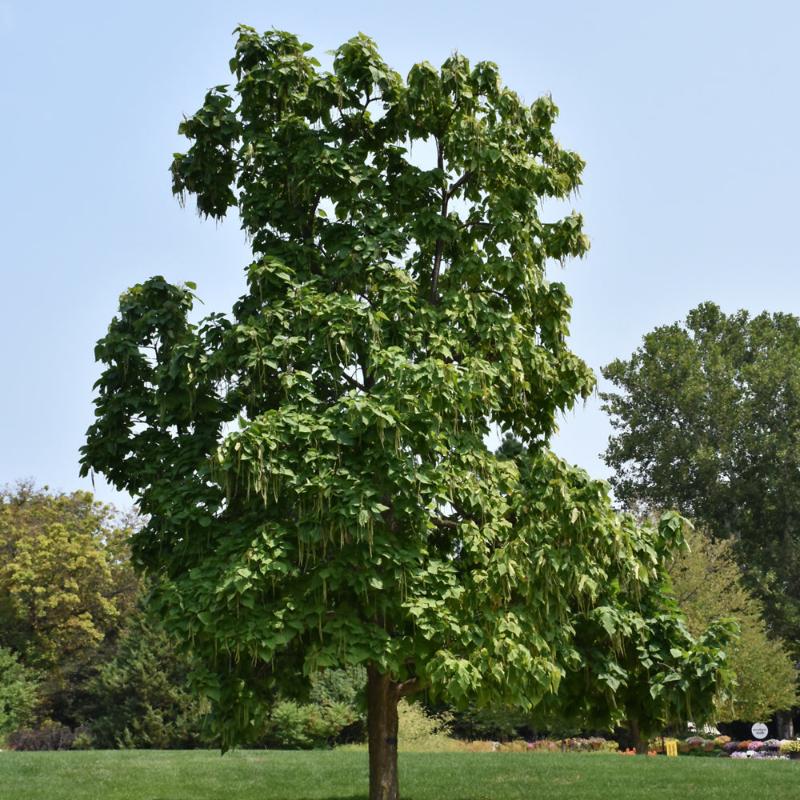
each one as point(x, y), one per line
point(331, 775)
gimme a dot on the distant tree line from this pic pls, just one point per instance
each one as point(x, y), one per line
point(706, 418)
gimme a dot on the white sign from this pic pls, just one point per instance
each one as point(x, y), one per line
point(760, 730)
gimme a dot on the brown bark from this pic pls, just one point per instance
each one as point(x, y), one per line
point(383, 695)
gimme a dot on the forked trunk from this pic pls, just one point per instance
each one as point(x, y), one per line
point(383, 695)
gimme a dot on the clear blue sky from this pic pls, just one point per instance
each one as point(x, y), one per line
point(687, 113)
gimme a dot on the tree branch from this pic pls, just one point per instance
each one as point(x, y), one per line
point(446, 195)
point(459, 183)
point(437, 258)
point(354, 383)
point(308, 228)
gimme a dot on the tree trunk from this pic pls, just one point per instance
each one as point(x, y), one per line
point(383, 695)
point(636, 736)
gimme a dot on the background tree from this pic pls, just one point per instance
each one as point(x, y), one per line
point(314, 465)
point(64, 586)
point(140, 697)
point(707, 421)
point(708, 584)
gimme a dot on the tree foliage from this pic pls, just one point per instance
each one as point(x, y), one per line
point(707, 421)
point(54, 577)
point(140, 698)
point(634, 661)
point(708, 584)
point(64, 585)
point(332, 712)
point(74, 650)
point(314, 465)
point(18, 693)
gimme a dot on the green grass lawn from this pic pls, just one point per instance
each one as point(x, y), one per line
point(331, 775)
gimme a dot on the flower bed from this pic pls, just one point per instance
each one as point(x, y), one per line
point(719, 746)
point(724, 746)
point(575, 744)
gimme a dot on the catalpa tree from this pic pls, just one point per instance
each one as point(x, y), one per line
point(314, 465)
point(633, 661)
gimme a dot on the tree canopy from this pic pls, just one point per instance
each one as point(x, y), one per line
point(708, 584)
point(65, 585)
point(314, 465)
point(52, 543)
point(635, 661)
point(706, 421)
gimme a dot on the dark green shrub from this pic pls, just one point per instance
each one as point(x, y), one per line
point(140, 698)
point(332, 711)
point(18, 693)
point(295, 726)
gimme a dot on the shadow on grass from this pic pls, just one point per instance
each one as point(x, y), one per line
point(275, 797)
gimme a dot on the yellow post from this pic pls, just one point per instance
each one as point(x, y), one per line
point(671, 746)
